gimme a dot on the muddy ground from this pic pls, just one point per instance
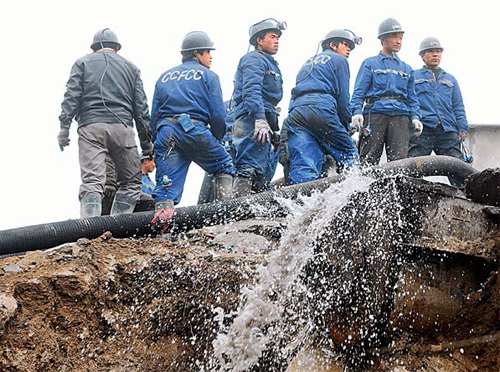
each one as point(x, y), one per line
point(149, 305)
point(116, 305)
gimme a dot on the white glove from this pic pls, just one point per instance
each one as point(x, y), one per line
point(357, 122)
point(262, 131)
point(417, 127)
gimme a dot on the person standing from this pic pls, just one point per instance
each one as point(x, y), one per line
point(188, 121)
point(105, 94)
point(441, 105)
point(319, 118)
point(258, 89)
point(384, 102)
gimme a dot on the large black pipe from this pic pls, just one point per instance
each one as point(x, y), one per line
point(137, 224)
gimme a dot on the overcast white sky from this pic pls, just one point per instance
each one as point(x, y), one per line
point(42, 39)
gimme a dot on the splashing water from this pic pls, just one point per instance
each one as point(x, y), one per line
point(278, 294)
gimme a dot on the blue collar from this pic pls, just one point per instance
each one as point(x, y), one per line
point(383, 56)
point(267, 55)
point(192, 61)
point(439, 69)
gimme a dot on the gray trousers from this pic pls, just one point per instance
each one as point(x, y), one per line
point(391, 131)
point(97, 140)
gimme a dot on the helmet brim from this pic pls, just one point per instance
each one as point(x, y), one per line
point(422, 51)
point(324, 43)
point(203, 48)
point(253, 39)
point(96, 46)
point(380, 36)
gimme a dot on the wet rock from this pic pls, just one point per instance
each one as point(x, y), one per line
point(315, 359)
point(8, 306)
point(484, 187)
point(12, 268)
point(242, 242)
point(83, 242)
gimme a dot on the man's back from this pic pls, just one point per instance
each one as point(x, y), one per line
point(189, 88)
point(105, 94)
point(103, 87)
point(324, 80)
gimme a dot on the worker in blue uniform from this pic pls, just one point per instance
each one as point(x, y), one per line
point(384, 102)
point(258, 89)
point(441, 106)
point(188, 121)
point(319, 117)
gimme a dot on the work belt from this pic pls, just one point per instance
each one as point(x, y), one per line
point(311, 93)
point(173, 119)
point(371, 100)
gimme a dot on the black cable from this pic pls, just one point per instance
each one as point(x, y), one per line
point(102, 78)
point(312, 64)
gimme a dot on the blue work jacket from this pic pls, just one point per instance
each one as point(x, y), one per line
point(258, 85)
point(193, 89)
point(440, 100)
point(324, 80)
point(384, 76)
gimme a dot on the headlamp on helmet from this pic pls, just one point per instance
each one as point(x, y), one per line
point(269, 24)
point(343, 34)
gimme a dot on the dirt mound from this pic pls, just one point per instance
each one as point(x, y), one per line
point(115, 305)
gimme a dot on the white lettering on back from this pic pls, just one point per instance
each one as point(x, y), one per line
point(185, 74)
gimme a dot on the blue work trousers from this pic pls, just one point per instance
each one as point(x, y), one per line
point(274, 157)
point(175, 149)
point(253, 159)
point(439, 141)
point(313, 132)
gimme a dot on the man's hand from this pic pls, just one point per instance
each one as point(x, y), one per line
point(147, 148)
point(417, 127)
point(261, 133)
point(357, 122)
point(164, 211)
point(63, 138)
point(463, 135)
point(275, 140)
point(109, 191)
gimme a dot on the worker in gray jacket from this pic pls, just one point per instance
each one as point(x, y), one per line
point(105, 95)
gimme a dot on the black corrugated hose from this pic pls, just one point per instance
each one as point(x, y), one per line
point(185, 218)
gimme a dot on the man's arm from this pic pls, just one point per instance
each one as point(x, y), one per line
point(141, 115)
point(217, 111)
point(459, 108)
point(155, 113)
point(412, 101)
point(253, 79)
point(343, 99)
point(72, 96)
point(361, 86)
